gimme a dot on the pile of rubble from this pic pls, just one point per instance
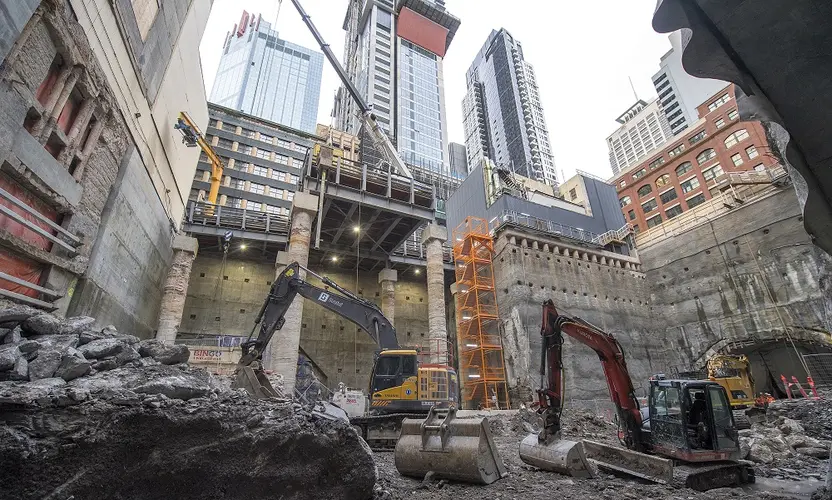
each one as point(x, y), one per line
point(783, 448)
point(100, 414)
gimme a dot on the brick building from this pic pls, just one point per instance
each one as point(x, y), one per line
point(684, 172)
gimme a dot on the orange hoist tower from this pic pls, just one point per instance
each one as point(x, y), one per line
point(481, 370)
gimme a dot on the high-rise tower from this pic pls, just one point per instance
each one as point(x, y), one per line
point(267, 77)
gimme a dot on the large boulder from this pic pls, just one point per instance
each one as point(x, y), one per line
point(790, 427)
point(42, 324)
point(220, 445)
point(8, 357)
point(12, 314)
point(761, 453)
point(822, 453)
point(13, 336)
point(55, 341)
point(102, 348)
point(72, 367)
point(164, 353)
point(45, 365)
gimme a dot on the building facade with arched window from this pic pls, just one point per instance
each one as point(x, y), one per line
point(685, 172)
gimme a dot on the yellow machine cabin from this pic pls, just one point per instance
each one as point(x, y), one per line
point(399, 383)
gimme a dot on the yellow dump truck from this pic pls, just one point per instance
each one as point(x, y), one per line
point(733, 373)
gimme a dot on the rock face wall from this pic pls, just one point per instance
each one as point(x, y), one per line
point(341, 351)
point(738, 283)
point(603, 288)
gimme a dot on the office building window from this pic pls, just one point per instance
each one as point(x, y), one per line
point(624, 201)
point(696, 200)
point(656, 163)
point(573, 194)
point(297, 163)
point(254, 206)
point(290, 195)
point(622, 183)
point(639, 174)
point(273, 210)
point(266, 138)
point(673, 211)
point(244, 149)
point(284, 160)
point(276, 192)
point(632, 214)
point(649, 206)
point(234, 202)
point(675, 151)
point(262, 153)
point(247, 133)
point(733, 115)
point(697, 137)
point(284, 144)
point(668, 196)
point(705, 156)
point(257, 188)
point(719, 123)
point(737, 159)
point(279, 175)
point(683, 168)
point(654, 221)
point(662, 180)
point(300, 148)
point(752, 153)
point(237, 184)
point(293, 179)
point(258, 170)
point(760, 168)
point(636, 229)
point(738, 136)
point(690, 184)
point(644, 190)
point(225, 143)
point(719, 102)
point(713, 172)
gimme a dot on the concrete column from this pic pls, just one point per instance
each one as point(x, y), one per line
point(432, 237)
point(176, 288)
point(387, 279)
point(283, 349)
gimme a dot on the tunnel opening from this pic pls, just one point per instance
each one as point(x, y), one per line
point(770, 360)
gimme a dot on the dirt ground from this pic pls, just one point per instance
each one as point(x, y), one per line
point(526, 482)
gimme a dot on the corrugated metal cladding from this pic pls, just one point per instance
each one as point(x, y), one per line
point(422, 31)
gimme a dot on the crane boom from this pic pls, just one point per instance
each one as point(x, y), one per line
point(193, 137)
point(367, 116)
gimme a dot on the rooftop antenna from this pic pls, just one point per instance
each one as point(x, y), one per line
point(633, 87)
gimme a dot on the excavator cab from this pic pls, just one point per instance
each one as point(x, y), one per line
point(400, 384)
point(691, 420)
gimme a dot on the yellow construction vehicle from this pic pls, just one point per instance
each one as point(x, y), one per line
point(400, 388)
point(733, 373)
point(192, 137)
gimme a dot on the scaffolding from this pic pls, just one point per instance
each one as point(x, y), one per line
point(480, 350)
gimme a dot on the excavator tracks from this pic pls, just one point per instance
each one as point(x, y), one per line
point(713, 475)
point(381, 432)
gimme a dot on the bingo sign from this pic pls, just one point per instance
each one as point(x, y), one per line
point(214, 355)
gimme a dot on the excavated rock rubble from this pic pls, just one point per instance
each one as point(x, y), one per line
point(100, 414)
point(792, 442)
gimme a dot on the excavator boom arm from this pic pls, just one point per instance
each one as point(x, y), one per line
point(288, 285)
point(610, 353)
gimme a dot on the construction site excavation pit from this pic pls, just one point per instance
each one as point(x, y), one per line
point(95, 413)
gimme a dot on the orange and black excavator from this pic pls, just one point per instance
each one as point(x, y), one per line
point(685, 437)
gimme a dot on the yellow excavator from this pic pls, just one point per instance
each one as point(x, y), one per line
point(412, 404)
point(733, 373)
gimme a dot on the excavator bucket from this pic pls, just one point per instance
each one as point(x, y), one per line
point(460, 449)
point(555, 455)
point(632, 463)
point(254, 381)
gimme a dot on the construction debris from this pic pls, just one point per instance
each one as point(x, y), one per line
point(100, 414)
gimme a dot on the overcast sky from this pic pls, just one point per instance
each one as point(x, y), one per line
point(583, 53)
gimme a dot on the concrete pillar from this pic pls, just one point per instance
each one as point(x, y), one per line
point(283, 358)
point(432, 237)
point(176, 288)
point(387, 279)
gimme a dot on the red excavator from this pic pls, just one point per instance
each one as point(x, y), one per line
point(685, 437)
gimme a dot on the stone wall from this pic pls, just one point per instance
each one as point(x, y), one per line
point(739, 282)
point(341, 351)
point(600, 287)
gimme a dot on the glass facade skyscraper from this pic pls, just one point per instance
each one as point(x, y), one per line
point(394, 54)
point(502, 112)
point(267, 77)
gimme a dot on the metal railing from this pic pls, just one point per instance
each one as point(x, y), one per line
point(615, 235)
point(206, 214)
point(545, 226)
point(771, 175)
point(820, 366)
point(413, 248)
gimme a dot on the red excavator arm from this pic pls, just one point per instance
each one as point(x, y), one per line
point(550, 396)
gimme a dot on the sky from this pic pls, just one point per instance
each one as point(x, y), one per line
point(584, 54)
